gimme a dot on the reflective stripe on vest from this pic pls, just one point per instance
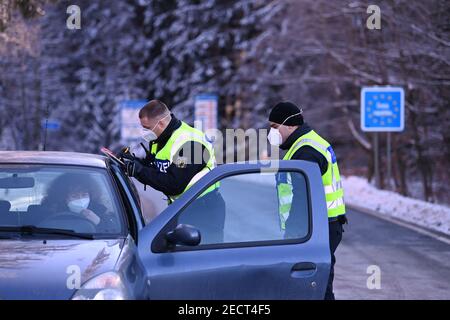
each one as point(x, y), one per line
point(334, 193)
point(179, 137)
point(284, 200)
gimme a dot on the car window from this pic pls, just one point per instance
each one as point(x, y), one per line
point(251, 207)
point(81, 199)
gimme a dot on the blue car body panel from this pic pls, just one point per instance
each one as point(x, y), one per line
point(37, 269)
point(32, 269)
point(251, 272)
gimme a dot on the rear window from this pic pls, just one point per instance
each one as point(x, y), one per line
point(81, 199)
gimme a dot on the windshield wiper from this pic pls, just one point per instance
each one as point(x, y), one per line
point(37, 230)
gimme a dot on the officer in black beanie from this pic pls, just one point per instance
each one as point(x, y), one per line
point(289, 131)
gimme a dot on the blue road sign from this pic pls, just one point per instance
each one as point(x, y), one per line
point(382, 109)
point(51, 125)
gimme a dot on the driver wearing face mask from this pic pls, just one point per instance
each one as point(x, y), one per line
point(78, 202)
point(76, 198)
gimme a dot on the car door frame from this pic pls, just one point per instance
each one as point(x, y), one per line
point(318, 222)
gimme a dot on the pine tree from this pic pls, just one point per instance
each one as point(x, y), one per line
point(94, 67)
point(199, 46)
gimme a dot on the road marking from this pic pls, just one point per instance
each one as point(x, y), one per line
point(409, 225)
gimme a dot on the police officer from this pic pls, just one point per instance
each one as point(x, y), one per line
point(178, 155)
point(290, 133)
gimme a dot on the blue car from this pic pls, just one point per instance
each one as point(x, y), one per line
point(71, 227)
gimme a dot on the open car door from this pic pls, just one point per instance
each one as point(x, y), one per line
point(225, 237)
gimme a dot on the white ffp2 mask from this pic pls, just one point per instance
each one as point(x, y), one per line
point(274, 137)
point(79, 205)
point(148, 134)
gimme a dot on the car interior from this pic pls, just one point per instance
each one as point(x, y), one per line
point(33, 216)
point(22, 203)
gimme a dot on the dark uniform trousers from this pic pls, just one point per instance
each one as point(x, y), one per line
point(335, 236)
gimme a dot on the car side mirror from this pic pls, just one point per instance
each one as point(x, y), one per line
point(184, 234)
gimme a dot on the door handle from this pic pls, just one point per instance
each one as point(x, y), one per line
point(303, 269)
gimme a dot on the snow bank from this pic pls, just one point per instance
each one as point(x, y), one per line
point(361, 193)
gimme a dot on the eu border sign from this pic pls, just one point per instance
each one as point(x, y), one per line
point(382, 109)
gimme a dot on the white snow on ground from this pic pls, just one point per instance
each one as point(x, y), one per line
point(359, 192)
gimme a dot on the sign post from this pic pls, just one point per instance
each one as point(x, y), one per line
point(389, 160)
point(382, 110)
point(48, 125)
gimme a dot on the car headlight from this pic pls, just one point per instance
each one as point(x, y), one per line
point(107, 286)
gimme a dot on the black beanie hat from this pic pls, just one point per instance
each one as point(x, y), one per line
point(283, 110)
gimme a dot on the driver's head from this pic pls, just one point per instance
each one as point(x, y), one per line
point(78, 198)
point(154, 117)
point(73, 192)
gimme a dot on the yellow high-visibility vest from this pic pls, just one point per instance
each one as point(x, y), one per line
point(165, 156)
point(334, 193)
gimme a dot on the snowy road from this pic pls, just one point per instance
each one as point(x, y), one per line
point(412, 265)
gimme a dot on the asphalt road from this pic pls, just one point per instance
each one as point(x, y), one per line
point(411, 265)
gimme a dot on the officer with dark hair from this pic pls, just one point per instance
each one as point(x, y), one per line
point(289, 131)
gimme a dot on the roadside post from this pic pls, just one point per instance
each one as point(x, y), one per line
point(52, 125)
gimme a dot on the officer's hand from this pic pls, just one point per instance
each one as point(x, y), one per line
point(149, 156)
point(132, 167)
point(125, 154)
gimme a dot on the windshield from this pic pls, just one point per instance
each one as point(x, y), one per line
point(81, 199)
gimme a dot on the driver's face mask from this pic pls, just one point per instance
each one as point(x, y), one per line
point(150, 135)
point(274, 136)
point(79, 204)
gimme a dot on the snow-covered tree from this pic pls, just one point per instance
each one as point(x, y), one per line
point(199, 46)
point(89, 71)
point(20, 102)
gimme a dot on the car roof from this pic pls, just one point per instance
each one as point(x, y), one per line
point(52, 157)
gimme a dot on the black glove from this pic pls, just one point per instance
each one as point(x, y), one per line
point(149, 156)
point(125, 154)
point(343, 219)
point(133, 166)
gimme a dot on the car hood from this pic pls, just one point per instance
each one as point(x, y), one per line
point(38, 269)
